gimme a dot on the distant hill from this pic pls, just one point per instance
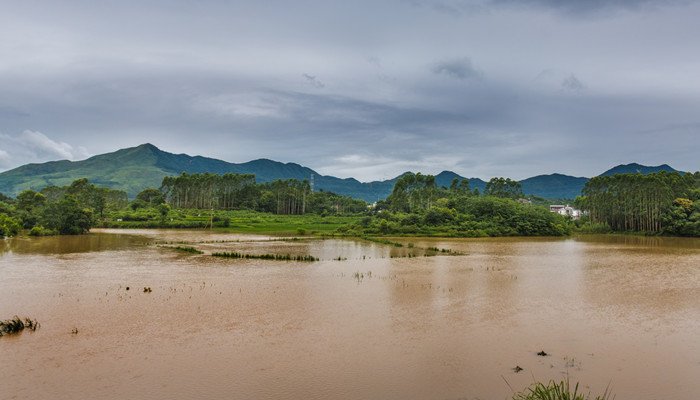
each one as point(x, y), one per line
point(637, 168)
point(554, 186)
point(136, 168)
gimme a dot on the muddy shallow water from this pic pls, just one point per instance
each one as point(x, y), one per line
point(365, 322)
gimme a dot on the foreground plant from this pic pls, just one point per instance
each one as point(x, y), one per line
point(556, 391)
point(15, 325)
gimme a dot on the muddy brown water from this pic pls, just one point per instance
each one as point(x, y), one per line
point(608, 310)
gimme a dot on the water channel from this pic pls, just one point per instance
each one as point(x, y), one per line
point(367, 321)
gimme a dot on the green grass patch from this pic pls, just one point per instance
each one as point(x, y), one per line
point(240, 221)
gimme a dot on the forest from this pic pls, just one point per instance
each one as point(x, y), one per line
point(656, 203)
point(63, 210)
point(418, 207)
point(240, 191)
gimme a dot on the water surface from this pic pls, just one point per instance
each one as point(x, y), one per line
point(364, 322)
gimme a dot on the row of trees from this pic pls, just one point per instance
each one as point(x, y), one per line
point(653, 203)
point(415, 193)
point(418, 206)
point(205, 191)
point(240, 191)
point(64, 210)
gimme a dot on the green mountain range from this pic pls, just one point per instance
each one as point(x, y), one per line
point(136, 168)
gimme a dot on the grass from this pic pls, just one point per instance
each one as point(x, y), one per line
point(188, 249)
point(16, 325)
point(243, 221)
point(275, 257)
point(557, 391)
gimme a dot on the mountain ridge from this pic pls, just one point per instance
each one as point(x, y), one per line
point(136, 168)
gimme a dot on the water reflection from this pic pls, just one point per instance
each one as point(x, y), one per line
point(70, 244)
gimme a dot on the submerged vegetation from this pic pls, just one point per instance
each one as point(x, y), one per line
point(16, 325)
point(275, 257)
point(187, 249)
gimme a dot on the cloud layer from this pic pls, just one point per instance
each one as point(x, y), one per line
point(364, 89)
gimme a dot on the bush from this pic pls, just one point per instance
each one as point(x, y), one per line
point(41, 231)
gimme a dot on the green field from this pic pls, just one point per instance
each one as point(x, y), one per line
point(235, 221)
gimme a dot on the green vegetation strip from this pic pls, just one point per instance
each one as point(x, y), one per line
point(276, 257)
point(410, 246)
point(186, 249)
point(17, 325)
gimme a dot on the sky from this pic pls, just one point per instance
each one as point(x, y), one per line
point(363, 89)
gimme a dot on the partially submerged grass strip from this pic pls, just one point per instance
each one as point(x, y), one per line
point(410, 246)
point(186, 249)
point(438, 250)
point(557, 391)
point(15, 325)
point(275, 257)
point(382, 241)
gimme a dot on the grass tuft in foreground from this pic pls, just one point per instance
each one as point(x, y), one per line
point(557, 391)
point(15, 325)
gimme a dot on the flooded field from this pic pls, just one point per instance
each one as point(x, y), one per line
point(367, 321)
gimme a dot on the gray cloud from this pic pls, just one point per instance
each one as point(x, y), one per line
point(311, 80)
point(460, 68)
point(75, 74)
point(590, 6)
point(573, 83)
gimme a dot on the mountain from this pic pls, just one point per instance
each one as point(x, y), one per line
point(136, 168)
point(554, 186)
point(637, 168)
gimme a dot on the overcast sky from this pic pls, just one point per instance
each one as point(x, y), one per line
point(364, 89)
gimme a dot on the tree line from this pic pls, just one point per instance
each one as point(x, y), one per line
point(417, 206)
point(240, 191)
point(68, 209)
point(661, 202)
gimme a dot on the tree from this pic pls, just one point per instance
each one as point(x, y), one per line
point(67, 217)
point(504, 188)
point(152, 197)
point(9, 226)
point(29, 200)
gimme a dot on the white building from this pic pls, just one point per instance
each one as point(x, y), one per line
point(566, 210)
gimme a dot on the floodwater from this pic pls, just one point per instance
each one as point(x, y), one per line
point(364, 322)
